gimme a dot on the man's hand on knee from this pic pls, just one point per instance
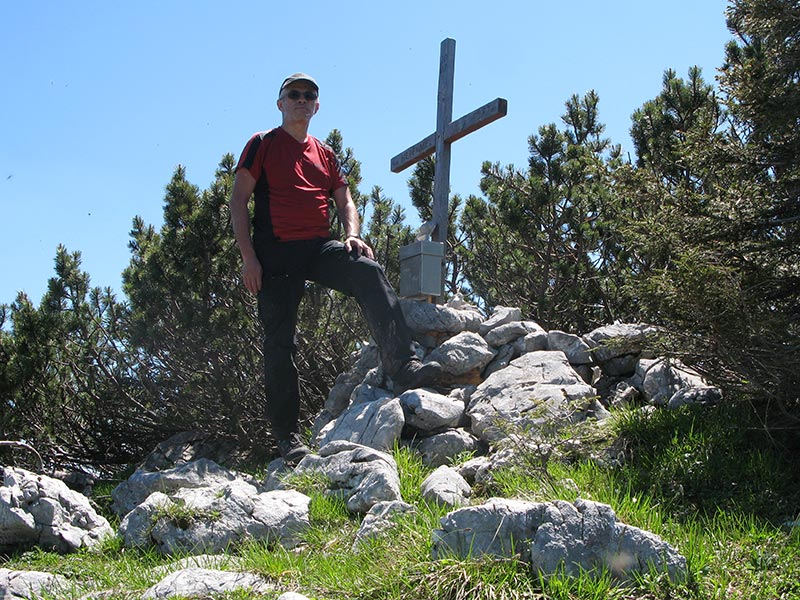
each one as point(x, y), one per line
point(357, 246)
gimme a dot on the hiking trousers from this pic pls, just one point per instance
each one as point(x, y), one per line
point(287, 266)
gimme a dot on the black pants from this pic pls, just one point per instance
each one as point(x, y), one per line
point(287, 266)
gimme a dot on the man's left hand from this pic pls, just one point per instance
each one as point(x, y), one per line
point(358, 247)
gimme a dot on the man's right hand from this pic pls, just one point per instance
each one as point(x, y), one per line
point(251, 275)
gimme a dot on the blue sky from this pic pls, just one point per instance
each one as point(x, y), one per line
point(102, 100)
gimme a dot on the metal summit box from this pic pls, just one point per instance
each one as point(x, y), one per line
point(421, 269)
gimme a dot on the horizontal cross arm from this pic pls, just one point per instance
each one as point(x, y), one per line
point(489, 112)
point(456, 130)
point(414, 154)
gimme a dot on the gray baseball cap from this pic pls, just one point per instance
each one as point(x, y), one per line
point(298, 77)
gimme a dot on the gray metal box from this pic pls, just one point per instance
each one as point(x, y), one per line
point(421, 272)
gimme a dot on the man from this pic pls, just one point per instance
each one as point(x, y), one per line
point(291, 176)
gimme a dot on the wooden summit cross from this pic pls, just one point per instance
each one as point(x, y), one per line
point(447, 132)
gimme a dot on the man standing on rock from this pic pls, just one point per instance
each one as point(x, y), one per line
point(291, 175)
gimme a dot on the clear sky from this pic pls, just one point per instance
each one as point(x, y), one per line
point(101, 100)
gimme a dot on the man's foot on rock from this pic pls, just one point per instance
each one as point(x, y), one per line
point(416, 374)
point(292, 449)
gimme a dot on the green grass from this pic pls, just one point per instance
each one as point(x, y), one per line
point(707, 481)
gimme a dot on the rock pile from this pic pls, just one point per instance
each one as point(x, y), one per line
point(504, 374)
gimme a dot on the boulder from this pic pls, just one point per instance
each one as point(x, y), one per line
point(536, 340)
point(617, 347)
point(425, 318)
point(500, 316)
point(551, 536)
point(429, 412)
point(471, 469)
point(445, 486)
point(500, 528)
point(507, 333)
point(199, 473)
point(377, 424)
point(137, 524)
point(19, 585)
point(36, 510)
point(441, 448)
point(463, 353)
point(575, 349)
point(586, 535)
point(362, 476)
point(366, 392)
point(535, 388)
point(702, 396)
point(207, 583)
point(212, 519)
point(660, 379)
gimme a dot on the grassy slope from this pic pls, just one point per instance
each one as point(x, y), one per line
point(705, 480)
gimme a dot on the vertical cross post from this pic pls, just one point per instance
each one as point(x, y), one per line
point(444, 115)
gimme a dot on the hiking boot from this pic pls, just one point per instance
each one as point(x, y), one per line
point(416, 374)
point(292, 449)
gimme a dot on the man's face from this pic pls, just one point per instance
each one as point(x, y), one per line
point(298, 101)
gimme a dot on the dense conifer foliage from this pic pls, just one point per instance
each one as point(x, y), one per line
point(697, 232)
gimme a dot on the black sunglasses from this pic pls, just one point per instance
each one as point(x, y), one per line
point(296, 94)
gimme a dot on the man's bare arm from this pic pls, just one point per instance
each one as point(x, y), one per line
point(243, 186)
point(348, 215)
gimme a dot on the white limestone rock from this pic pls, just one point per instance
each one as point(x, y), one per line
point(36, 510)
point(206, 583)
point(534, 389)
point(199, 473)
point(430, 412)
point(463, 353)
point(575, 537)
point(377, 424)
point(362, 476)
point(446, 486)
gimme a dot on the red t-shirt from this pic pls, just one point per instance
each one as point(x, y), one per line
point(294, 181)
